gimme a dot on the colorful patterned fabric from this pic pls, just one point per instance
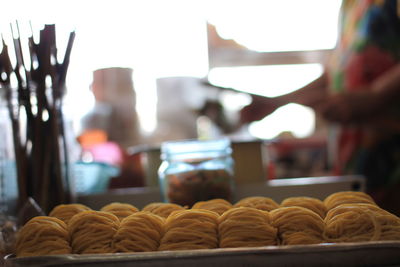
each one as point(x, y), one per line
point(369, 45)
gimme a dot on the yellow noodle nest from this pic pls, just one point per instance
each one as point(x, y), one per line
point(93, 232)
point(310, 203)
point(190, 229)
point(297, 225)
point(347, 197)
point(162, 209)
point(139, 232)
point(251, 222)
point(65, 212)
point(43, 235)
point(121, 210)
point(258, 202)
point(246, 227)
point(217, 205)
point(360, 222)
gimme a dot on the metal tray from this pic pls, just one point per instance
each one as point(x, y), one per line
point(383, 253)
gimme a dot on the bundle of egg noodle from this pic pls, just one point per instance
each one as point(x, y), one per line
point(253, 221)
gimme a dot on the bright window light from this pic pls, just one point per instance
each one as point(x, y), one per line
point(270, 25)
point(156, 38)
point(295, 119)
point(159, 38)
point(269, 81)
point(272, 81)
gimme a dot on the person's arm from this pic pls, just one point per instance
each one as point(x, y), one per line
point(387, 87)
point(310, 95)
point(369, 106)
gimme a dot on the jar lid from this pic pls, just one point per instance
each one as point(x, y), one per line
point(196, 148)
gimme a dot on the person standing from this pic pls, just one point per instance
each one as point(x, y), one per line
point(359, 95)
point(114, 112)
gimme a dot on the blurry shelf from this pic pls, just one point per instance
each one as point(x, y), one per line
point(279, 189)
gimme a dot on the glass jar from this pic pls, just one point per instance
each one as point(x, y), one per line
point(194, 170)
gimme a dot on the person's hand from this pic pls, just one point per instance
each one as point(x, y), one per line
point(259, 108)
point(351, 107)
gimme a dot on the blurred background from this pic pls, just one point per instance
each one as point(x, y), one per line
point(171, 38)
point(168, 61)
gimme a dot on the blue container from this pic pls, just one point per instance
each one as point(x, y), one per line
point(93, 177)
